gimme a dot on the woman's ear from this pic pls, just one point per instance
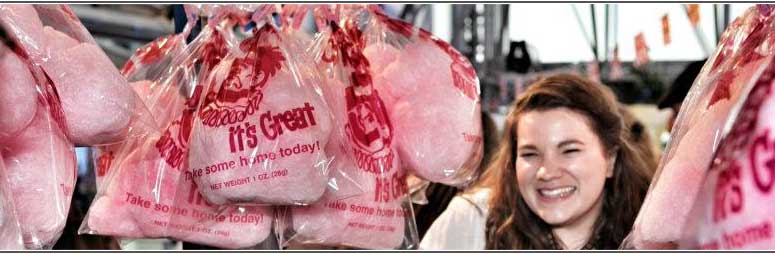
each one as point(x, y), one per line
point(611, 163)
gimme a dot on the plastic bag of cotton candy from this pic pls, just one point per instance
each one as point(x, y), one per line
point(146, 70)
point(745, 50)
point(39, 159)
point(98, 104)
point(10, 232)
point(366, 205)
point(431, 92)
point(259, 134)
point(734, 207)
point(146, 191)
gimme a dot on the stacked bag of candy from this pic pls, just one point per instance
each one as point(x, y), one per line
point(59, 88)
point(743, 54)
point(259, 135)
point(734, 206)
point(10, 232)
point(97, 104)
point(149, 190)
point(150, 62)
point(367, 205)
point(431, 93)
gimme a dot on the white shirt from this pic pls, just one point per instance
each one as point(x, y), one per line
point(461, 226)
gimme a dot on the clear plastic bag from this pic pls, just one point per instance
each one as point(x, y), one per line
point(431, 92)
point(18, 98)
point(734, 208)
point(743, 52)
point(145, 70)
point(367, 205)
point(98, 105)
point(149, 190)
point(259, 135)
point(10, 232)
point(39, 159)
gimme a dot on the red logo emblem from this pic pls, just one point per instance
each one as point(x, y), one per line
point(240, 93)
point(103, 163)
point(369, 130)
point(173, 144)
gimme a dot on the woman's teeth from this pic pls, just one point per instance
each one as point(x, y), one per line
point(557, 193)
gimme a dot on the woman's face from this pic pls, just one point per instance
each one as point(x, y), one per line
point(561, 166)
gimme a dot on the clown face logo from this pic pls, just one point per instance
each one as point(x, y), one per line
point(368, 126)
point(240, 92)
point(173, 145)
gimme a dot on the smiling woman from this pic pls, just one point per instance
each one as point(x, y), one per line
point(566, 175)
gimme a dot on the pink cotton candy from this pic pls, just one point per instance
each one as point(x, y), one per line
point(18, 98)
point(433, 103)
point(57, 41)
point(260, 141)
point(161, 100)
point(97, 103)
point(144, 184)
point(41, 169)
point(62, 18)
point(10, 233)
point(667, 206)
point(734, 209)
point(343, 219)
point(22, 21)
point(678, 186)
point(366, 174)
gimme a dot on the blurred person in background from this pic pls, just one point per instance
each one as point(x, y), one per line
point(565, 176)
point(640, 138)
point(676, 94)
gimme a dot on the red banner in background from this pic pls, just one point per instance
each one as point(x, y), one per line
point(616, 66)
point(693, 12)
point(666, 30)
point(641, 50)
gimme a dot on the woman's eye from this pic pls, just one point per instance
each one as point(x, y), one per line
point(527, 155)
point(570, 151)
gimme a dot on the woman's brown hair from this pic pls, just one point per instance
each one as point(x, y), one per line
point(511, 224)
point(640, 138)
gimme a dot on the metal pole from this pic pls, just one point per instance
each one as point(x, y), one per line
point(700, 35)
point(716, 22)
point(594, 32)
point(584, 30)
point(607, 38)
point(726, 17)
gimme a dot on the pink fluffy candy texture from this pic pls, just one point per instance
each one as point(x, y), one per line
point(22, 22)
point(667, 206)
point(18, 98)
point(10, 233)
point(340, 219)
point(41, 169)
point(670, 200)
point(97, 102)
point(438, 127)
point(161, 100)
point(166, 103)
point(736, 198)
point(333, 221)
point(145, 197)
point(250, 161)
point(56, 40)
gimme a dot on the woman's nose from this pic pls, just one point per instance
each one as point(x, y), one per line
point(549, 171)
